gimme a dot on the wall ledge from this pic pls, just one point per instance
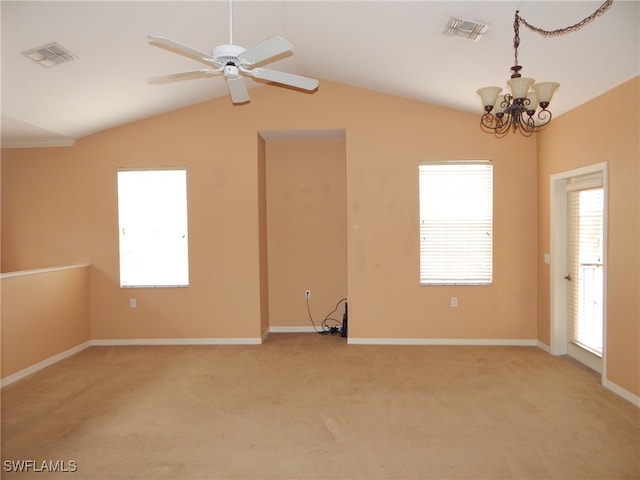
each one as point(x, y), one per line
point(38, 271)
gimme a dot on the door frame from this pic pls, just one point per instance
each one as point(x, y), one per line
point(558, 257)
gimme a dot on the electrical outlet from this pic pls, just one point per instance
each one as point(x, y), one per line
point(133, 303)
point(454, 302)
point(307, 294)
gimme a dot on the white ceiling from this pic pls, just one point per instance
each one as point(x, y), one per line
point(389, 46)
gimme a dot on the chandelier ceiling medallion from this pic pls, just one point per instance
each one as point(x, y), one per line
point(524, 107)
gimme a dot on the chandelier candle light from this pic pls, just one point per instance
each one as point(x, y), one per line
point(524, 108)
point(517, 110)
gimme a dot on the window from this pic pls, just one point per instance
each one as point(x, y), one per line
point(456, 223)
point(152, 219)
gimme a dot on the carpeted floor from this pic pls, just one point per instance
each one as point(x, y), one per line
point(307, 406)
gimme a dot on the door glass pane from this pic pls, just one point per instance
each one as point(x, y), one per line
point(586, 285)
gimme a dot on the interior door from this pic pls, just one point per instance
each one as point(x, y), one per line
point(585, 270)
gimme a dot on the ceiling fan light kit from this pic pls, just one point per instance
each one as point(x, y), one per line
point(524, 107)
point(233, 62)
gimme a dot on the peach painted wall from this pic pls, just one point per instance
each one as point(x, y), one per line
point(605, 129)
point(59, 206)
point(263, 253)
point(306, 229)
point(384, 148)
point(43, 314)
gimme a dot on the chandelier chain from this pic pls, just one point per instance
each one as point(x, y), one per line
point(516, 36)
point(561, 31)
point(524, 110)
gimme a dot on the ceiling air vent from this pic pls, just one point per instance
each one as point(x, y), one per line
point(49, 55)
point(469, 29)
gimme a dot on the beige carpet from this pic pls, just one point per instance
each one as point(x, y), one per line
point(307, 406)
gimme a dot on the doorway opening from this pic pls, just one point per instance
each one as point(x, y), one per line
point(303, 230)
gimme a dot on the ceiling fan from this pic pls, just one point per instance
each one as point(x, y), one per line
point(234, 62)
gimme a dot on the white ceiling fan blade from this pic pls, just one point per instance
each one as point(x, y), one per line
point(266, 49)
point(238, 90)
point(183, 75)
point(285, 78)
point(176, 47)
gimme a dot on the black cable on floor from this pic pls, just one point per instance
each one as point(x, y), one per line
point(326, 328)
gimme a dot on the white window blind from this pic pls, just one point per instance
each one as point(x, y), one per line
point(585, 262)
point(456, 223)
point(152, 218)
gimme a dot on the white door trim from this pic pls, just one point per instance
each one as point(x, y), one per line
point(558, 254)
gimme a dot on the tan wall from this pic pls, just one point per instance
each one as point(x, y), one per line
point(385, 298)
point(43, 315)
point(307, 229)
point(262, 238)
point(606, 129)
point(59, 206)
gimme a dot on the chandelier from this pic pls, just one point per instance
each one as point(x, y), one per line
point(524, 107)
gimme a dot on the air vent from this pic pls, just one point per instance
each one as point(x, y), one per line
point(468, 29)
point(49, 55)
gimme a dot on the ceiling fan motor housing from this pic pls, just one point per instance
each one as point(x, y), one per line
point(227, 54)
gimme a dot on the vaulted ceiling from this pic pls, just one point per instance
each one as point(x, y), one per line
point(394, 47)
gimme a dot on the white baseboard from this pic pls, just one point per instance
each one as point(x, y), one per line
point(618, 390)
point(626, 394)
point(303, 329)
point(43, 364)
point(122, 342)
point(265, 334)
point(543, 346)
point(445, 341)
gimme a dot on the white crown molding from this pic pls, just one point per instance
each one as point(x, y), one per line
point(39, 143)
